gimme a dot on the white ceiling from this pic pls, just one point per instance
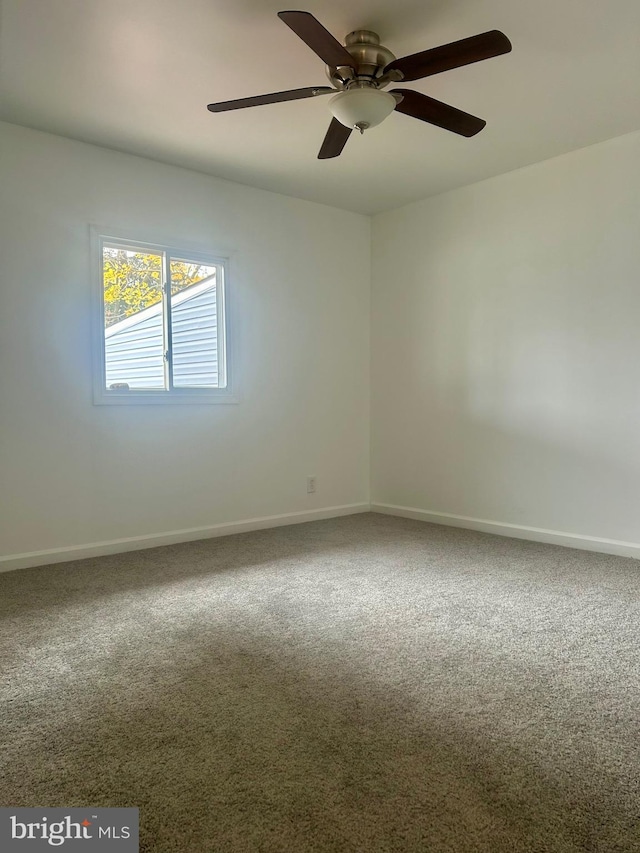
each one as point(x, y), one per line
point(136, 75)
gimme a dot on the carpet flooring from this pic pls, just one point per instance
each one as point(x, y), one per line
point(359, 684)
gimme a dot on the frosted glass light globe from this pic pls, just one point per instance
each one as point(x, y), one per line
point(362, 108)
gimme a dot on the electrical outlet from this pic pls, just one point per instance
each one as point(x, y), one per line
point(311, 485)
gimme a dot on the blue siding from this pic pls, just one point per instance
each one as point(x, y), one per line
point(195, 340)
point(134, 354)
point(134, 346)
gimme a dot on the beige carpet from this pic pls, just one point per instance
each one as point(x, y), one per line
point(359, 684)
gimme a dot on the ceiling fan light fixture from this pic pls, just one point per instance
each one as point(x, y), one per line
point(362, 108)
point(361, 67)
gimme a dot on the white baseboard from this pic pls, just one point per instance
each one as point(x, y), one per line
point(154, 540)
point(515, 531)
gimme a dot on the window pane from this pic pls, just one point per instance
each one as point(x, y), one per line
point(194, 324)
point(133, 322)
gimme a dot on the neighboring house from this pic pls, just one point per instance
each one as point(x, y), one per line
point(134, 347)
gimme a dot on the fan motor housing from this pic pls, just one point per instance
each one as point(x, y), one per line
point(371, 56)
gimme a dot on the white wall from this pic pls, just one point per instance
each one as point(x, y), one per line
point(505, 354)
point(73, 473)
point(506, 348)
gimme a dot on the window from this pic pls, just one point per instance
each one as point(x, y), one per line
point(162, 325)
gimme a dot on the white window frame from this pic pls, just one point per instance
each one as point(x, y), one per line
point(102, 395)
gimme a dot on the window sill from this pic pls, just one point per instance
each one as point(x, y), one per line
point(164, 398)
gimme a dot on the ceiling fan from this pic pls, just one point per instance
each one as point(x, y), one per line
point(362, 68)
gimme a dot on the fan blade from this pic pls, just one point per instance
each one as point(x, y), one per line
point(273, 98)
point(420, 106)
point(320, 40)
point(335, 140)
point(453, 55)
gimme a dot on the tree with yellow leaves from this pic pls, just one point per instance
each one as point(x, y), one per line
point(133, 281)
